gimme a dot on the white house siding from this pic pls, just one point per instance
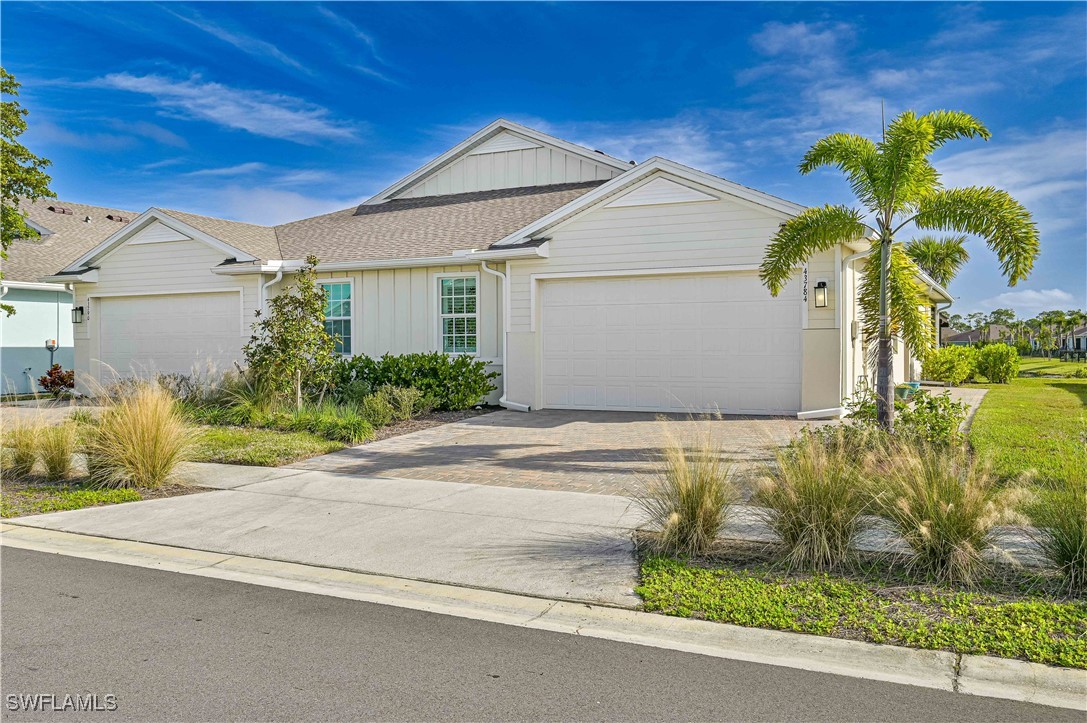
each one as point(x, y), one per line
point(154, 269)
point(540, 166)
point(395, 311)
point(726, 232)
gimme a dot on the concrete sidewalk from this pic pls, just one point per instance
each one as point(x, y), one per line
point(561, 545)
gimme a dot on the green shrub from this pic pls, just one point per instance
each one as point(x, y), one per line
point(139, 440)
point(341, 423)
point(57, 444)
point(945, 505)
point(933, 419)
point(951, 364)
point(407, 403)
point(687, 502)
point(451, 382)
point(21, 446)
point(815, 500)
point(998, 363)
point(377, 409)
point(926, 418)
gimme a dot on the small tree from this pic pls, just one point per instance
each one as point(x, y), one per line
point(22, 174)
point(57, 381)
point(290, 343)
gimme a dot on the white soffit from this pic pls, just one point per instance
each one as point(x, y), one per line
point(157, 232)
point(504, 141)
point(660, 191)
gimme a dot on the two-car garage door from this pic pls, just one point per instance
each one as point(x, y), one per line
point(692, 342)
point(169, 333)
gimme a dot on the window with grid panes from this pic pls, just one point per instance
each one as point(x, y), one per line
point(338, 315)
point(457, 311)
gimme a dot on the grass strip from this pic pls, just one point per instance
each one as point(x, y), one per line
point(1038, 630)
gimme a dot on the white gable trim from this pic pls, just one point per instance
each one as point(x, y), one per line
point(156, 233)
point(787, 209)
point(479, 137)
point(42, 230)
point(660, 191)
point(145, 219)
point(504, 141)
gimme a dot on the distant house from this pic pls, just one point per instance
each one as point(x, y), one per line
point(992, 333)
point(43, 311)
point(1077, 341)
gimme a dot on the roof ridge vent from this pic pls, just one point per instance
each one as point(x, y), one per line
point(61, 210)
point(118, 218)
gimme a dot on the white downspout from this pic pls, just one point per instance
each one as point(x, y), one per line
point(939, 310)
point(264, 288)
point(503, 401)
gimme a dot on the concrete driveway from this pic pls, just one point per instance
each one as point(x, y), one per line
point(572, 451)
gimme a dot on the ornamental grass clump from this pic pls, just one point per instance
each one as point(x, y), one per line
point(21, 446)
point(139, 441)
point(687, 502)
point(815, 499)
point(1058, 513)
point(945, 504)
point(57, 444)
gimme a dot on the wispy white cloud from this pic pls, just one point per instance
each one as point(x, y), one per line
point(368, 41)
point(150, 130)
point(1029, 302)
point(272, 115)
point(49, 132)
point(249, 44)
point(270, 206)
point(240, 169)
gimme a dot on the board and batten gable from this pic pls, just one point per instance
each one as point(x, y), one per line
point(154, 263)
point(508, 160)
point(707, 230)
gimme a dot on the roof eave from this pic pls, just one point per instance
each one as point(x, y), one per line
point(469, 256)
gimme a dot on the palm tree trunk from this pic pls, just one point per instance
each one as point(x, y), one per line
point(885, 408)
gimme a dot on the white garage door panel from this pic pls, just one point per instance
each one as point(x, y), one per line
point(671, 343)
point(169, 333)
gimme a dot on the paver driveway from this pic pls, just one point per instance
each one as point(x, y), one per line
point(599, 452)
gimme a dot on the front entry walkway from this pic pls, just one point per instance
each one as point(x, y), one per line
point(596, 452)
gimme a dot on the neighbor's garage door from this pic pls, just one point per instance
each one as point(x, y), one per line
point(671, 343)
point(169, 333)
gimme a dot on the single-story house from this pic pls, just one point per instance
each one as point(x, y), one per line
point(587, 281)
point(990, 334)
point(43, 311)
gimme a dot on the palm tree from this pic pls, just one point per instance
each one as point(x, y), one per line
point(897, 185)
point(940, 258)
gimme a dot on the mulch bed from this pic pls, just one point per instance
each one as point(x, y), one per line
point(436, 419)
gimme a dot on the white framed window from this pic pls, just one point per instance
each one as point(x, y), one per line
point(458, 314)
point(338, 306)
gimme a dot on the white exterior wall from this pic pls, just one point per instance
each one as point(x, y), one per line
point(395, 311)
point(722, 233)
point(154, 269)
point(539, 166)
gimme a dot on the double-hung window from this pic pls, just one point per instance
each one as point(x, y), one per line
point(338, 315)
point(457, 304)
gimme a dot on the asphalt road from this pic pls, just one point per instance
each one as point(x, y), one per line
point(178, 647)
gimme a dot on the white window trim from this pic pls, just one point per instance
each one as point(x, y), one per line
point(436, 284)
point(350, 352)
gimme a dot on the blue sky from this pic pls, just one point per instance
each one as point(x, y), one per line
point(272, 112)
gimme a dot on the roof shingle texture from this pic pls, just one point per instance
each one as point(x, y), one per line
point(73, 235)
point(424, 227)
point(258, 241)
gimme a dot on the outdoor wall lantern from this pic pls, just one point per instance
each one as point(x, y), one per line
point(77, 314)
point(821, 295)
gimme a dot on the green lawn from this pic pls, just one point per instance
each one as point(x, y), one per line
point(1036, 366)
point(259, 447)
point(1032, 425)
point(1039, 630)
point(39, 499)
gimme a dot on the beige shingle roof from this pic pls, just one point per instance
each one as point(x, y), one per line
point(259, 241)
point(424, 227)
point(73, 235)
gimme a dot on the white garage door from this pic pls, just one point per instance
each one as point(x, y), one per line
point(671, 343)
point(170, 333)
